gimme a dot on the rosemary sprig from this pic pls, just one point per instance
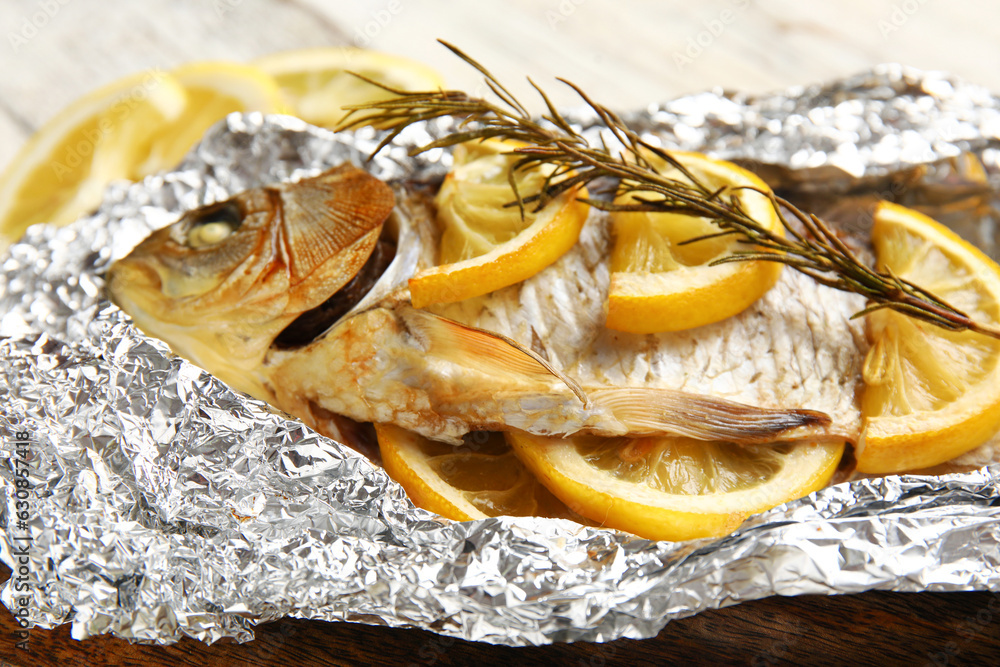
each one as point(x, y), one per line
point(551, 139)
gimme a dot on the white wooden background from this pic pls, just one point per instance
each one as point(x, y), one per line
point(626, 54)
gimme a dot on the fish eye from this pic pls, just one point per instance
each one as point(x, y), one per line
point(213, 225)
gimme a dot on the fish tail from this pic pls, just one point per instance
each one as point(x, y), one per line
point(649, 410)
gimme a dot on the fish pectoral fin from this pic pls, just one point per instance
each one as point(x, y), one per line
point(647, 410)
point(485, 350)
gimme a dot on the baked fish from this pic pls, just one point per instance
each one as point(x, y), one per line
point(297, 294)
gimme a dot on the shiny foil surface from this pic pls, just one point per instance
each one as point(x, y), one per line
point(164, 504)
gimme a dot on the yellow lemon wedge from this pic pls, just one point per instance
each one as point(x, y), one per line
point(318, 82)
point(136, 126)
point(61, 172)
point(485, 243)
point(479, 479)
point(930, 394)
point(657, 284)
point(665, 488)
point(214, 90)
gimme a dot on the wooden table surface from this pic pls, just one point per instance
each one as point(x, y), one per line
point(626, 56)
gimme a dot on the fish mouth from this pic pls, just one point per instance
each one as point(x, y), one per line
point(313, 323)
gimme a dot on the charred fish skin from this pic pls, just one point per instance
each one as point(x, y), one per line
point(221, 283)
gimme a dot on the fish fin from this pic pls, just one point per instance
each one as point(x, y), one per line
point(465, 345)
point(648, 410)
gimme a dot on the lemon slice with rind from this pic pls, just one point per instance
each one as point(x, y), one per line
point(485, 243)
point(479, 479)
point(136, 126)
point(319, 82)
point(658, 284)
point(61, 172)
point(666, 488)
point(930, 394)
point(214, 90)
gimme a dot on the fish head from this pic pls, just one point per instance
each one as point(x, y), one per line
point(224, 280)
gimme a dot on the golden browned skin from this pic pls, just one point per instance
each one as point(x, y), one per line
point(221, 283)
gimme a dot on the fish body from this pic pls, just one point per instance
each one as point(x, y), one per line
point(534, 356)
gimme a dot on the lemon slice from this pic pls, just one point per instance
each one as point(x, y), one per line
point(485, 244)
point(930, 394)
point(318, 82)
point(659, 285)
point(214, 90)
point(136, 126)
point(665, 488)
point(479, 479)
point(62, 170)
